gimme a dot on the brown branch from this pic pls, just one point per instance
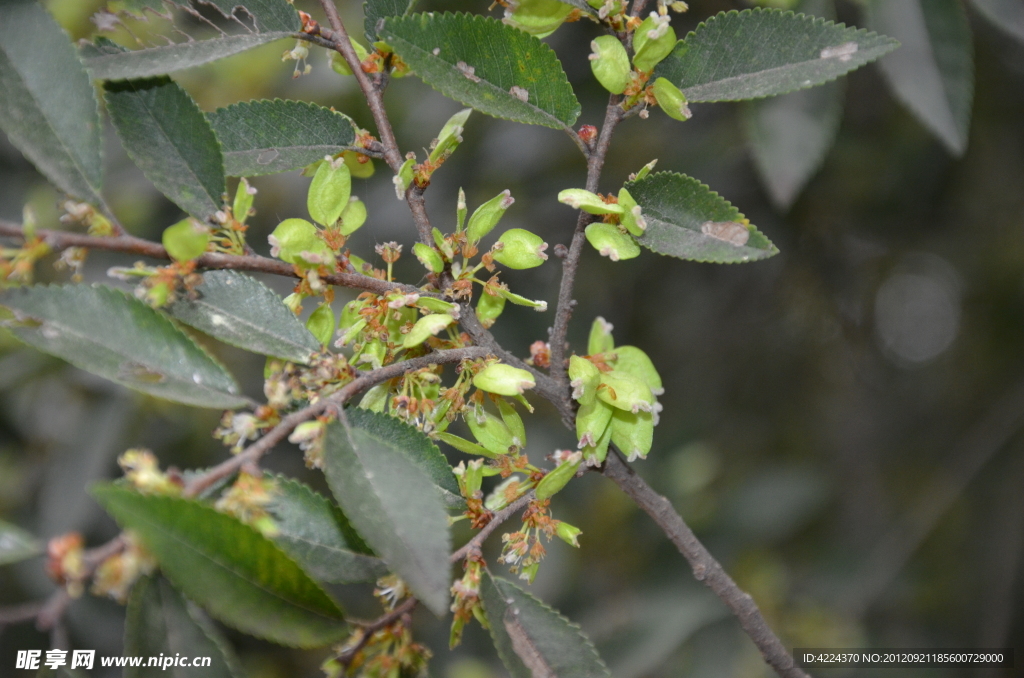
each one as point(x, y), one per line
point(474, 544)
point(638, 7)
point(17, 614)
point(705, 568)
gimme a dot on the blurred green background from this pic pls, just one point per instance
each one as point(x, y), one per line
point(842, 423)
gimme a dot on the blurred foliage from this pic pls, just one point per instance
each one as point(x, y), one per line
point(800, 430)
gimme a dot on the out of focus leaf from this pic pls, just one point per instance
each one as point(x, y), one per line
point(769, 52)
point(158, 621)
point(532, 639)
point(264, 137)
point(114, 335)
point(1005, 14)
point(170, 140)
point(48, 107)
point(16, 544)
point(269, 15)
point(933, 71)
point(481, 62)
point(376, 10)
point(237, 574)
point(318, 536)
point(243, 312)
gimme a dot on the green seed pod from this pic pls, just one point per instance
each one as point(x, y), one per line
point(463, 445)
point(425, 327)
point(497, 500)
point(488, 309)
point(584, 378)
point(653, 40)
point(540, 18)
point(503, 379)
point(487, 216)
point(626, 392)
point(450, 136)
point(490, 431)
point(513, 421)
point(632, 218)
point(558, 477)
point(371, 355)
point(519, 249)
point(470, 477)
point(429, 257)
point(186, 240)
point(243, 200)
point(376, 399)
point(610, 64)
point(460, 211)
point(632, 360)
point(321, 324)
point(296, 241)
point(351, 334)
point(158, 295)
point(610, 242)
point(580, 199)
point(539, 306)
point(338, 63)
point(600, 339)
point(568, 533)
point(632, 433)
point(435, 305)
point(591, 421)
point(353, 217)
point(594, 455)
point(671, 99)
point(360, 170)
point(403, 179)
point(329, 192)
point(349, 314)
point(644, 171)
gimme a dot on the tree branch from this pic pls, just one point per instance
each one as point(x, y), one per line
point(474, 544)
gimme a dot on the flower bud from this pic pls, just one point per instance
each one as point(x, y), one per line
point(591, 421)
point(610, 64)
point(321, 324)
point(490, 431)
point(580, 199)
point(294, 239)
point(487, 216)
point(425, 327)
point(568, 533)
point(540, 18)
point(632, 218)
point(633, 433)
point(353, 217)
point(626, 392)
point(359, 165)
point(653, 40)
point(559, 477)
point(503, 380)
point(610, 242)
point(243, 200)
point(519, 249)
point(671, 99)
point(632, 360)
point(429, 257)
point(450, 136)
point(338, 62)
point(329, 192)
point(488, 309)
point(186, 240)
point(584, 378)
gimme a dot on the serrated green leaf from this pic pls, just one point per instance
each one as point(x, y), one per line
point(48, 108)
point(764, 52)
point(234, 572)
point(394, 505)
point(1007, 15)
point(158, 621)
point(375, 10)
point(107, 332)
point(791, 134)
point(16, 544)
point(318, 536)
point(153, 61)
point(688, 220)
point(534, 640)
point(269, 15)
point(933, 72)
point(170, 140)
point(264, 137)
point(242, 311)
point(481, 62)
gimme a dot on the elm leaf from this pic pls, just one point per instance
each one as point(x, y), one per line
point(376, 10)
point(16, 544)
point(1007, 15)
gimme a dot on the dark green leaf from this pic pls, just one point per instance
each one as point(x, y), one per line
point(1005, 14)
point(933, 72)
point(146, 63)
point(533, 640)
point(764, 52)
point(237, 574)
point(243, 312)
point(48, 106)
point(114, 335)
point(791, 134)
point(318, 536)
point(270, 15)
point(376, 10)
point(485, 64)
point(264, 137)
point(420, 449)
point(688, 220)
point(16, 544)
point(395, 507)
point(158, 621)
point(170, 140)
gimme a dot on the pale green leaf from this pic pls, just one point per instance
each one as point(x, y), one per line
point(107, 332)
point(318, 536)
point(481, 62)
point(264, 137)
point(764, 52)
point(1007, 15)
point(16, 544)
point(170, 140)
point(933, 71)
point(394, 505)
point(688, 220)
point(532, 639)
point(48, 107)
point(375, 11)
point(158, 621)
point(242, 311)
point(234, 572)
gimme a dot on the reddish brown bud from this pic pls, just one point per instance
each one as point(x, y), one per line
point(588, 133)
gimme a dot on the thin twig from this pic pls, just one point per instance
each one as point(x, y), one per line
point(474, 544)
point(370, 628)
point(17, 614)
